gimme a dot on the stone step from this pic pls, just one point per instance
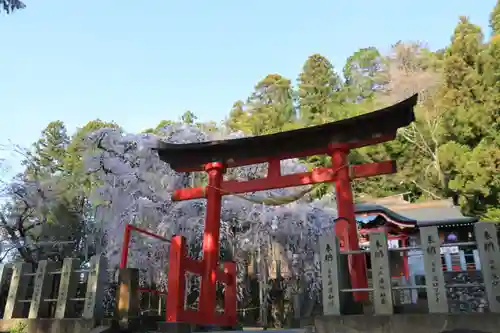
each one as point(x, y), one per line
point(169, 328)
point(284, 330)
point(294, 330)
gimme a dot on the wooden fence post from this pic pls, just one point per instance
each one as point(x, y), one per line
point(489, 255)
point(96, 285)
point(330, 274)
point(127, 303)
point(67, 288)
point(17, 290)
point(448, 262)
point(434, 277)
point(154, 299)
point(463, 262)
point(41, 289)
point(263, 273)
point(477, 260)
point(4, 273)
point(5, 270)
point(381, 274)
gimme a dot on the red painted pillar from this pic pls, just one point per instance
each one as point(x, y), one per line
point(211, 237)
point(230, 296)
point(176, 280)
point(125, 246)
point(345, 207)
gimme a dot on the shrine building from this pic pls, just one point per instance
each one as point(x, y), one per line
point(402, 220)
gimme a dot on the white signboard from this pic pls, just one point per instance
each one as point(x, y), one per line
point(393, 243)
point(449, 249)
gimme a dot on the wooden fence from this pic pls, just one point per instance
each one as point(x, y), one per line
point(335, 282)
point(53, 290)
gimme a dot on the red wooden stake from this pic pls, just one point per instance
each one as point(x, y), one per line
point(176, 280)
point(230, 297)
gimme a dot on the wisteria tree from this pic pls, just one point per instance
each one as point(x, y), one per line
point(135, 187)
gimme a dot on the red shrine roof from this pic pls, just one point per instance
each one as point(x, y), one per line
point(258, 149)
point(413, 215)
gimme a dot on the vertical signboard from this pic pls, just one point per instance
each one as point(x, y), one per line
point(489, 256)
point(434, 278)
point(329, 251)
point(17, 290)
point(41, 289)
point(96, 283)
point(67, 288)
point(381, 277)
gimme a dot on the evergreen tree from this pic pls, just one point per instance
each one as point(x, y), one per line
point(462, 92)
point(469, 154)
point(270, 107)
point(495, 20)
point(158, 127)
point(238, 119)
point(188, 117)
point(50, 150)
point(365, 73)
point(318, 91)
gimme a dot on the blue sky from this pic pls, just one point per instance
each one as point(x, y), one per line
point(138, 62)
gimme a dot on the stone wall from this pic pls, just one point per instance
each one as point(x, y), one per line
point(471, 299)
point(49, 325)
point(409, 323)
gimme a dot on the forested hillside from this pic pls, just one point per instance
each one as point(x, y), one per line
point(451, 151)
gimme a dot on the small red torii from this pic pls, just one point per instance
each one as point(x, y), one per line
point(214, 157)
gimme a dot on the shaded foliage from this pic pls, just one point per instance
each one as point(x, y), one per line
point(10, 6)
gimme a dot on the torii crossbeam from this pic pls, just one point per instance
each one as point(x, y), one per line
point(333, 139)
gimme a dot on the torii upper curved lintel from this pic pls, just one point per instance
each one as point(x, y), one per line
point(355, 132)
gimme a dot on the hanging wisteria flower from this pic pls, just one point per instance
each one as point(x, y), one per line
point(136, 188)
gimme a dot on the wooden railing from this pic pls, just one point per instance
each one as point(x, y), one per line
point(335, 284)
point(52, 290)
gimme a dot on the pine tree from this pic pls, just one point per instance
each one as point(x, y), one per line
point(49, 151)
point(463, 93)
point(318, 90)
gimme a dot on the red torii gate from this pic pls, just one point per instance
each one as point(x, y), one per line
point(334, 139)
